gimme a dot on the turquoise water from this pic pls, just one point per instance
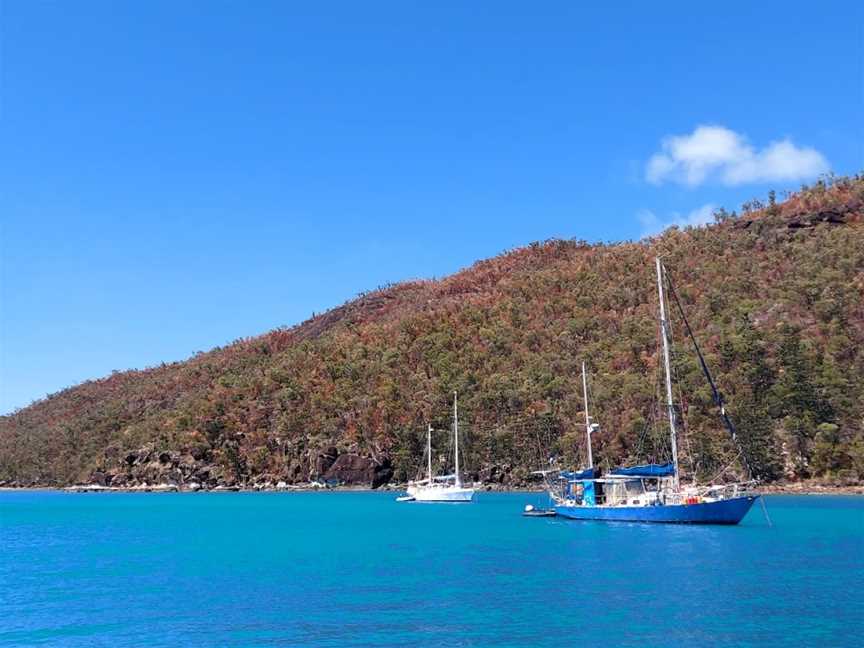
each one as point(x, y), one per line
point(342, 569)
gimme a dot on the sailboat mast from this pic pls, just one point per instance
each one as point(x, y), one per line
point(429, 451)
point(587, 418)
point(670, 403)
point(456, 436)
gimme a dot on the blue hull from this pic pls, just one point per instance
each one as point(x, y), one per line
point(730, 511)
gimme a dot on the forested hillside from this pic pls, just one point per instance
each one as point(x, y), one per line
point(775, 296)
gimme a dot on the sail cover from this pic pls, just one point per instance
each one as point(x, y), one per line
point(648, 470)
point(585, 474)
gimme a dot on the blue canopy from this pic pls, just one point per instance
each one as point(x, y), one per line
point(588, 473)
point(648, 470)
point(588, 496)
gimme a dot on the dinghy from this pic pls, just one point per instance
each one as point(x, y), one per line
point(531, 511)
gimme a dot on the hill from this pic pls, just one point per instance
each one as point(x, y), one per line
point(775, 297)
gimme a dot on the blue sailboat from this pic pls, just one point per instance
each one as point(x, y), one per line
point(652, 492)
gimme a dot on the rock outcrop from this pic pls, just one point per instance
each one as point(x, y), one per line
point(353, 469)
point(149, 465)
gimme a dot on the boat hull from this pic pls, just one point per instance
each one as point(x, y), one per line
point(728, 511)
point(452, 494)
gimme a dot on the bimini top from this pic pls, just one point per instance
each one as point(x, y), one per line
point(648, 470)
point(588, 473)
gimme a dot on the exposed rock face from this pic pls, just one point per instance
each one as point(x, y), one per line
point(839, 215)
point(296, 472)
point(811, 220)
point(325, 460)
point(355, 469)
point(491, 475)
point(149, 465)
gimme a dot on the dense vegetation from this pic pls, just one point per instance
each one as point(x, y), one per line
point(774, 296)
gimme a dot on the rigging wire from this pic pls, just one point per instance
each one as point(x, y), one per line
point(648, 433)
point(725, 468)
point(651, 435)
point(719, 401)
point(681, 413)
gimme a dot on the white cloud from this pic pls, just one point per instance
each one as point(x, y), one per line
point(718, 152)
point(652, 224)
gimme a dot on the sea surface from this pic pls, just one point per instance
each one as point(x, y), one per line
point(358, 569)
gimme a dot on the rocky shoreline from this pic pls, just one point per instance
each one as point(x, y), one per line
point(154, 470)
point(811, 488)
point(288, 488)
point(803, 488)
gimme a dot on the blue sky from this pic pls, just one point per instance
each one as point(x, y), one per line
point(176, 175)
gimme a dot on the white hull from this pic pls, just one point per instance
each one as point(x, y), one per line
point(443, 493)
point(444, 488)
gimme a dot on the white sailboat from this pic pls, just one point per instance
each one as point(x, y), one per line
point(440, 488)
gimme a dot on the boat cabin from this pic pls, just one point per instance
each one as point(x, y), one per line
point(633, 486)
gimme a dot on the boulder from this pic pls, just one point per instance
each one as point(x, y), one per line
point(383, 473)
point(296, 472)
point(832, 216)
point(325, 460)
point(200, 452)
point(491, 474)
point(202, 474)
point(264, 480)
point(355, 469)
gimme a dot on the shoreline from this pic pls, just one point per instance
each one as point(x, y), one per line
point(784, 489)
point(167, 488)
